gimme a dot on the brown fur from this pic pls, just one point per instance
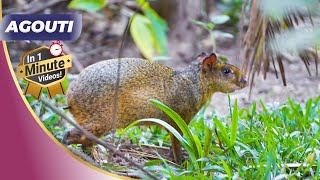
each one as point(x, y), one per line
point(91, 96)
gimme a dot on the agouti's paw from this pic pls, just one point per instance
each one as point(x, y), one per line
point(65, 138)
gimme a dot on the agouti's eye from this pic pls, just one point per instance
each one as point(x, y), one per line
point(226, 71)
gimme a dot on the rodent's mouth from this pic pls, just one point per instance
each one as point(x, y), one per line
point(242, 84)
point(237, 88)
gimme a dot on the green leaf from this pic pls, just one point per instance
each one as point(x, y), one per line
point(221, 19)
point(179, 121)
point(87, 5)
point(165, 125)
point(198, 144)
point(268, 167)
point(184, 142)
point(223, 58)
point(213, 167)
point(207, 141)
point(142, 35)
point(51, 120)
point(263, 106)
point(223, 132)
point(226, 168)
point(159, 29)
point(234, 124)
point(153, 162)
point(208, 26)
point(65, 84)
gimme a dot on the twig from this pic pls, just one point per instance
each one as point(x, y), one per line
point(27, 10)
point(140, 154)
point(115, 100)
point(156, 147)
point(128, 145)
point(37, 9)
point(147, 155)
point(83, 156)
point(94, 138)
point(219, 142)
point(126, 173)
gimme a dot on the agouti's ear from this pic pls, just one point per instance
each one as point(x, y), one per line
point(209, 61)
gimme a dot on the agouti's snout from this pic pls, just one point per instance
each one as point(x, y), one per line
point(242, 83)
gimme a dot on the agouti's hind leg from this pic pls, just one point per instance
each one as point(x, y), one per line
point(176, 149)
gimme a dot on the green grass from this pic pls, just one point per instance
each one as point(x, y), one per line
point(277, 142)
point(261, 142)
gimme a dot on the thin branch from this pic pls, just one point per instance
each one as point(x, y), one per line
point(219, 142)
point(115, 100)
point(30, 9)
point(83, 156)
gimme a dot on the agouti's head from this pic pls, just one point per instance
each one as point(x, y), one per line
point(216, 76)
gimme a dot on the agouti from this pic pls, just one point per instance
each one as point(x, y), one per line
point(91, 96)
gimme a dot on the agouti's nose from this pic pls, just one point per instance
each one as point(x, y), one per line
point(243, 82)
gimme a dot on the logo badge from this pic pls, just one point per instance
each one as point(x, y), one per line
point(44, 67)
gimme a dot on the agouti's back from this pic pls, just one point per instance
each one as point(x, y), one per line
point(91, 96)
point(100, 77)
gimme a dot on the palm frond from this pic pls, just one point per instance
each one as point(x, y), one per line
point(265, 41)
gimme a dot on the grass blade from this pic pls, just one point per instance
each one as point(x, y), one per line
point(235, 123)
point(179, 121)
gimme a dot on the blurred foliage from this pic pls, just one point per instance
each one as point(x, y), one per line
point(232, 9)
point(280, 9)
point(228, 17)
point(149, 31)
point(209, 27)
point(87, 5)
point(293, 39)
point(277, 28)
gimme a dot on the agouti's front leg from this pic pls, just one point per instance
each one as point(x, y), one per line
point(176, 149)
point(74, 136)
